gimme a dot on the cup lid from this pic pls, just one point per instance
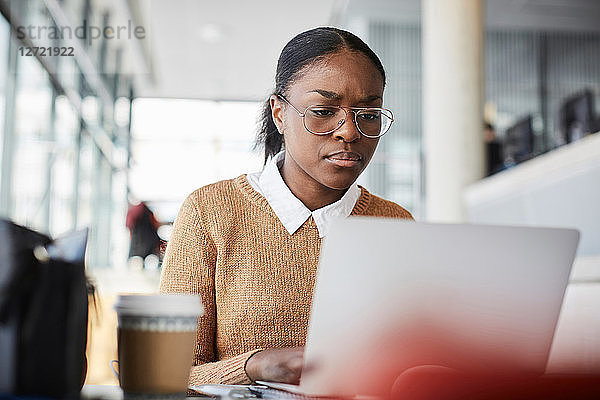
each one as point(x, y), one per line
point(178, 305)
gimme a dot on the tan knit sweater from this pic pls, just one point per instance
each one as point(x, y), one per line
point(255, 279)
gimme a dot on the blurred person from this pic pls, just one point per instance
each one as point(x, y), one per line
point(143, 228)
point(250, 245)
point(493, 150)
point(435, 382)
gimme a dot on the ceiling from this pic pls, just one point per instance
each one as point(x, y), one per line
point(223, 50)
point(227, 50)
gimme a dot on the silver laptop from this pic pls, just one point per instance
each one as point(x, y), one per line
point(391, 295)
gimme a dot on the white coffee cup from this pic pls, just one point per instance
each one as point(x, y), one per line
point(156, 339)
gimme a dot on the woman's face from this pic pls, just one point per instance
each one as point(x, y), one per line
point(335, 160)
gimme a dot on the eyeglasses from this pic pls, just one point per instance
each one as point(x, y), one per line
point(372, 122)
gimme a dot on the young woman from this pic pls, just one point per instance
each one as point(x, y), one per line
point(250, 245)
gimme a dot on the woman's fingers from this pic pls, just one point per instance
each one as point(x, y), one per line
point(276, 365)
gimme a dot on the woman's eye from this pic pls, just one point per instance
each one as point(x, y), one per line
point(322, 112)
point(370, 115)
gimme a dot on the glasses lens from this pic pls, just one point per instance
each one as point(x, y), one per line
point(374, 122)
point(323, 119)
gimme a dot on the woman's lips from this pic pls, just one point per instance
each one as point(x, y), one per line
point(344, 159)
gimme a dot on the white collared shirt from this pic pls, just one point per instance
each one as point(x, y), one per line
point(289, 209)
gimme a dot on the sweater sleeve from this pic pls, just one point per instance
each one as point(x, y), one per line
point(189, 267)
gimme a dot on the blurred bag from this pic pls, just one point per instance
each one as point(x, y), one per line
point(43, 312)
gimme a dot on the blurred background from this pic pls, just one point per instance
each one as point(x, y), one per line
point(106, 104)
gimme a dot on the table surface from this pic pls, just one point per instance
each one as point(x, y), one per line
point(112, 392)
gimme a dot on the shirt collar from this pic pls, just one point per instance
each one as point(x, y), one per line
point(290, 210)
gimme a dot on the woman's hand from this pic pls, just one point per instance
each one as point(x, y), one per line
point(276, 365)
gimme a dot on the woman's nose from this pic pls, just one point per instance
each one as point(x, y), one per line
point(348, 132)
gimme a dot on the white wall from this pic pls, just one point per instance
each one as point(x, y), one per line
point(560, 188)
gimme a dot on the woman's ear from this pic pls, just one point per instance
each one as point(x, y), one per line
point(277, 112)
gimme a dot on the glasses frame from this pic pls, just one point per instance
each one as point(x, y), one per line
point(355, 111)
